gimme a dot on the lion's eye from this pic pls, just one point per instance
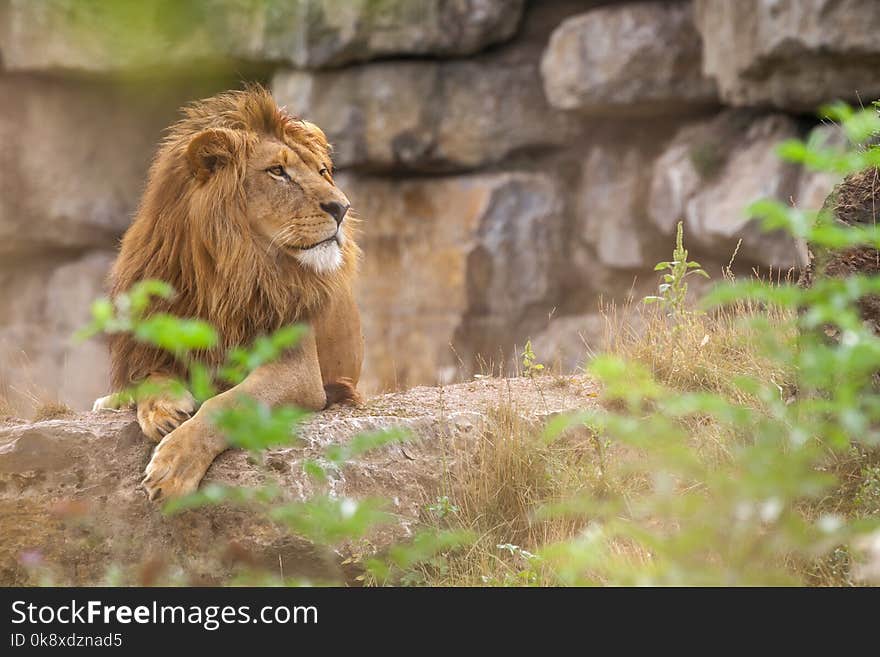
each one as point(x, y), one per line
point(277, 171)
point(324, 171)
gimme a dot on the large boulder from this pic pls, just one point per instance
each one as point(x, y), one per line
point(99, 36)
point(792, 54)
point(642, 58)
point(712, 171)
point(438, 115)
point(444, 254)
point(567, 342)
point(612, 196)
point(72, 511)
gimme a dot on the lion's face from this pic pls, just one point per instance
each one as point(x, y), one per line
point(294, 205)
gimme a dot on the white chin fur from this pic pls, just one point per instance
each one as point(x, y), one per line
point(322, 259)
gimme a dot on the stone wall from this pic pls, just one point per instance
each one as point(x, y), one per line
point(513, 161)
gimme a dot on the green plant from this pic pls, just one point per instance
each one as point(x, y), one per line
point(443, 508)
point(528, 574)
point(530, 363)
point(673, 290)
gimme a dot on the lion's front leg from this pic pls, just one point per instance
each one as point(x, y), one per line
point(184, 455)
point(181, 460)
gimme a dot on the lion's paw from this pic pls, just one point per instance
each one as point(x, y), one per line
point(176, 468)
point(159, 416)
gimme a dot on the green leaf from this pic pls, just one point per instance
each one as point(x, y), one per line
point(200, 382)
point(174, 334)
point(314, 470)
point(242, 361)
point(254, 426)
point(140, 295)
point(213, 494)
point(329, 520)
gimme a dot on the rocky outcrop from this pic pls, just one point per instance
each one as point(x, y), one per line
point(712, 171)
point(72, 512)
point(567, 342)
point(791, 54)
point(437, 115)
point(412, 115)
point(611, 205)
point(852, 203)
point(639, 59)
point(105, 37)
point(814, 186)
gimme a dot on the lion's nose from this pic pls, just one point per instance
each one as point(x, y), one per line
point(335, 210)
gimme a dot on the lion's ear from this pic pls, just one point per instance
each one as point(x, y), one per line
point(210, 150)
point(315, 131)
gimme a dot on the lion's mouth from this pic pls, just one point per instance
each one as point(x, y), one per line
point(333, 238)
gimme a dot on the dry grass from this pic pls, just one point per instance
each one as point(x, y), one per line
point(6, 410)
point(514, 472)
point(52, 410)
point(704, 351)
point(497, 489)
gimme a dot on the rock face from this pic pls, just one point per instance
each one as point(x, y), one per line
point(641, 58)
point(442, 115)
point(49, 137)
point(39, 360)
point(95, 36)
point(713, 170)
point(814, 187)
point(406, 115)
point(70, 501)
point(567, 342)
point(792, 54)
point(514, 161)
point(611, 202)
point(443, 254)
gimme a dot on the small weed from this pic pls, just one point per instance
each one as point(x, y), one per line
point(672, 292)
point(531, 366)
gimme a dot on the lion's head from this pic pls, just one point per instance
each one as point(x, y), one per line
point(241, 215)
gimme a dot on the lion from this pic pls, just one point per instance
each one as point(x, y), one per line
point(241, 216)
